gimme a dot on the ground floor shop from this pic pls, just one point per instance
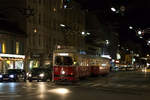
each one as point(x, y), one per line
point(11, 61)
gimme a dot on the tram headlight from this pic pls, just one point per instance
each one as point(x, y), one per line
point(41, 75)
point(11, 76)
point(63, 72)
point(1, 76)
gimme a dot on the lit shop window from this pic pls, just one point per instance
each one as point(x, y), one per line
point(17, 47)
point(3, 48)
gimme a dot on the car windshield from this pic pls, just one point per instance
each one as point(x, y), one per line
point(63, 60)
point(40, 70)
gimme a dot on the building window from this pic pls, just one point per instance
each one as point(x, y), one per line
point(39, 1)
point(39, 19)
point(0, 48)
point(3, 48)
point(17, 47)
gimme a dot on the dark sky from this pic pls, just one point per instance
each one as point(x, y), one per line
point(136, 14)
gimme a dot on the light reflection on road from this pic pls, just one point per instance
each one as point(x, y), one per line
point(61, 91)
point(49, 91)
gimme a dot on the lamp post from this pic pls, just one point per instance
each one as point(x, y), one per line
point(139, 32)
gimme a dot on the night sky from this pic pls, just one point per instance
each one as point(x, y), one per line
point(136, 14)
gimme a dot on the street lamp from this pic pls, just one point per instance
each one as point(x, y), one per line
point(88, 33)
point(107, 42)
point(113, 9)
point(83, 33)
point(139, 32)
point(130, 27)
point(62, 25)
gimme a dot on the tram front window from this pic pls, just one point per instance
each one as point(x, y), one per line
point(63, 60)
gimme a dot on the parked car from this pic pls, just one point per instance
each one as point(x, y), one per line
point(40, 74)
point(130, 68)
point(13, 75)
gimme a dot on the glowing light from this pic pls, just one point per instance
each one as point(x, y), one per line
point(141, 37)
point(41, 75)
point(1, 76)
point(130, 27)
point(139, 32)
point(103, 64)
point(8, 62)
point(58, 46)
point(107, 41)
point(35, 30)
point(63, 54)
point(83, 33)
point(17, 47)
point(106, 56)
point(113, 9)
point(11, 76)
point(62, 91)
point(113, 60)
point(63, 72)
point(117, 61)
point(88, 33)
point(3, 48)
point(11, 55)
point(65, 6)
point(62, 25)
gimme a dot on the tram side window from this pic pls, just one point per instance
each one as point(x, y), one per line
point(63, 60)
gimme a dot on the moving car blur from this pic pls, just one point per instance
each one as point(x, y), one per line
point(13, 75)
point(40, 74)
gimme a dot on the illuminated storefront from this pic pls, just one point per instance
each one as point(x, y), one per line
point(11, 61)
point(34, 64)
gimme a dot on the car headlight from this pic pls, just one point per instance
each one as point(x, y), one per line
point(41, 75)
point(1, 76)
point(63, 72)
point(30, 75)
point(11, 76)
point(144, 70)
point(27, 74)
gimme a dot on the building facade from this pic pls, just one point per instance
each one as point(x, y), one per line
point(55, 22)
point(12, 45)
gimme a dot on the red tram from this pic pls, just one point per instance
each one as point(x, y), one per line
point(69, 65)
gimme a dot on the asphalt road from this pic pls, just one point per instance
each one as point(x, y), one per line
point(116, 86)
